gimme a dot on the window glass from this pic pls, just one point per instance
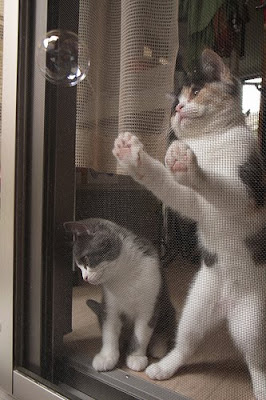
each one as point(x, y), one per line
point(139, 53)
point(251, 101)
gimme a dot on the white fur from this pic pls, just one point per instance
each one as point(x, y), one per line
point(131, 285)
point(201, 181)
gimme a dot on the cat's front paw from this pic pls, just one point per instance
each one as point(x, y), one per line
point(260, 397)
point(105, 362)
point(182, 162)
point(156, 371)
point(127, 149)
point(137, 363)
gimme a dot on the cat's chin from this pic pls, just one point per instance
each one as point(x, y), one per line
point(189, 127)
point(95, 278)
point(186, 122)
point(183, 128)
point(183, 124)
point(94, 282)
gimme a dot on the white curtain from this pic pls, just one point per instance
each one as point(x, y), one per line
point(133, 46)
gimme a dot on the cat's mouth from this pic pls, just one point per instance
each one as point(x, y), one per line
point(181, 119)
point(185, 117)
point(94, 277)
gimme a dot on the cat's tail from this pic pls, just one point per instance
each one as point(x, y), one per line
point(97, 308)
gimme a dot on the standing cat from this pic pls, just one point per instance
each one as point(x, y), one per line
point(213, 175)
point(134, 292)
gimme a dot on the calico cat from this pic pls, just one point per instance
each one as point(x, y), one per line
point(134, 291)
point(213, 174)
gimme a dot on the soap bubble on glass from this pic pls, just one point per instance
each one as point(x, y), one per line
point(62, 57)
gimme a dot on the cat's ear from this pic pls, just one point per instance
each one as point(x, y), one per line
point(213, 66)
point(77, 228)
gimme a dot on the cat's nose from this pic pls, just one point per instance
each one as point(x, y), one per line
point(179, 107)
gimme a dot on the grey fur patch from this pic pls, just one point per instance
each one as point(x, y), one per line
point(133, 345)
point(163, 320)
point(127, 341)
point(256, 244)
point(100, 243)
point(209, 258)
point(108, 250)
point(153, 321)
point(252, 175)
point(145, 246)
point(124, 319)
point(233, 87)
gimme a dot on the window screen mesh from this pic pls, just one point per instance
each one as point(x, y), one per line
point(133, 47)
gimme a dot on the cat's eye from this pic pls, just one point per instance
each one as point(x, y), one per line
point(195, 89)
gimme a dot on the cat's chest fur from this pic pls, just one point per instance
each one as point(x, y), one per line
point(125, 301)
point(221, 149)
point(136, 282)
point(221, 230)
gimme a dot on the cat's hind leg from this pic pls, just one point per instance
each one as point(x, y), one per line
point(200, 315)
point(247, 324)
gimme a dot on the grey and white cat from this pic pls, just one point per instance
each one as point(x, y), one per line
point(134, 292)
point(214, 175)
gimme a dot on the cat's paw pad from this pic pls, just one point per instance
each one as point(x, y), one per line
point(137, 363)
point(104, 362)
point(155, 371)
point(127, 149)
point(180, 158)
